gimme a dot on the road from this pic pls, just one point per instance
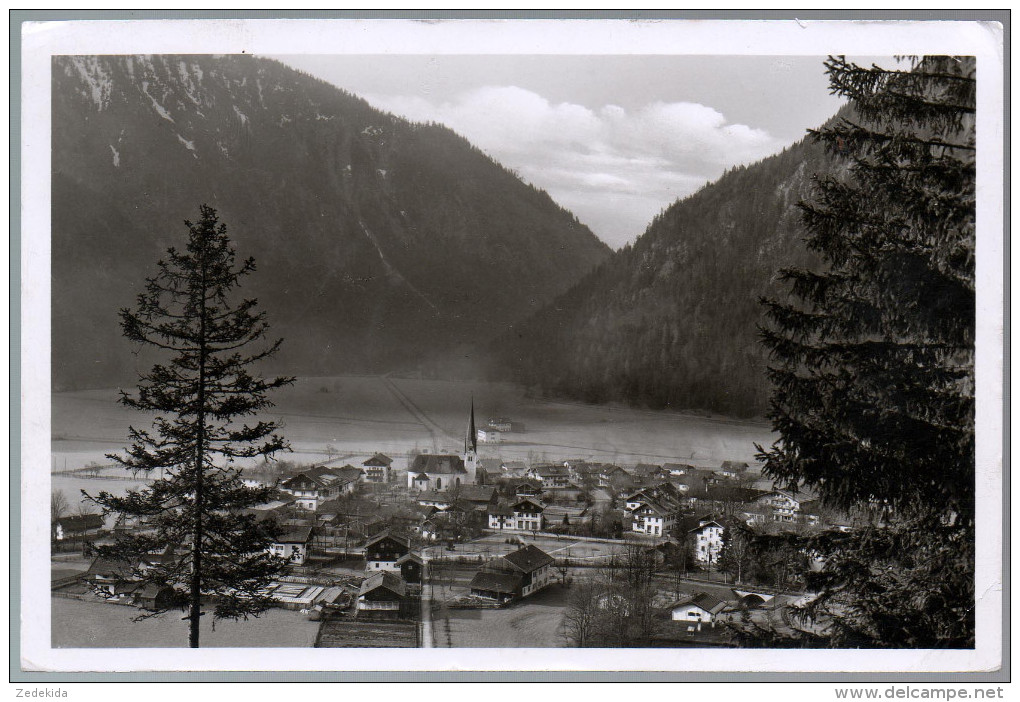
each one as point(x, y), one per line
point(426, 607)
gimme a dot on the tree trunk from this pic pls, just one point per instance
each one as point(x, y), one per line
point(196, 557)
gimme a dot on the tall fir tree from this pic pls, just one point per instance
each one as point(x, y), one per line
point(873, 357)
point(209, 550)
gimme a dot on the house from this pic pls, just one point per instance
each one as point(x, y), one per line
point(349, 474)
point(410, 568)
point(754, 514)
point(734, 467)
point(293, 545)
point(696, 610)
point(383, 595)
point(488, 435)
point(580, 470)
point(528, 490)
point(649, 471)
point(438, 472)
point(501, 518)
point(77, 526)
point(707, 538)
point(513, 576)
point(378, 468)
point(528, 515)
point(318, 484)
point(524, 515)
point(384, 550)
point(153, 597)
point(667, 494)
point(119, 581)
point(677, 469)
point(615, 478)
point(478, 495)
point(783, 504)
point(431, 498)
point(551, 475)
point(652, 518)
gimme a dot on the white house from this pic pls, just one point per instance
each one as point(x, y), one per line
point(312, 487)
point(489, 435)
point(293, 545)
point(699, 609)
point(649, 517)
point(378, 468)
point(524, 515)
point(707, 537)
point(784, 506)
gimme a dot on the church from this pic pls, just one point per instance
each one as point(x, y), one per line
point(444, 472)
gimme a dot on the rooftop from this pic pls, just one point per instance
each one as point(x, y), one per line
point(528, 559)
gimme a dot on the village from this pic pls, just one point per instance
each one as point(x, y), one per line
point(432, 549)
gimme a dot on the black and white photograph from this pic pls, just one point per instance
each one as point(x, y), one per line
point(664, 346)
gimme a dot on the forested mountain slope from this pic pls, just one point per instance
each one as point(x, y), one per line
point(671, 321)
point(381, 244)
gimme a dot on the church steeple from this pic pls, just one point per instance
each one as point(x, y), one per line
point(472, 432)
point(471, 447)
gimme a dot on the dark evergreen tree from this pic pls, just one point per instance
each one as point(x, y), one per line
point(873, 356)
point(209, 549)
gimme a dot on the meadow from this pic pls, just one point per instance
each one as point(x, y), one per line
point(351, 417)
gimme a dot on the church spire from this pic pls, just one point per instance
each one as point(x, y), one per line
point(472, 438)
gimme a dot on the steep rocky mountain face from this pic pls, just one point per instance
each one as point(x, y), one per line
point(380, 244)
point(672, 320)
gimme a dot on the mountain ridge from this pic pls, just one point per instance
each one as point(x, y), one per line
point(670, 321)
point(382, 244)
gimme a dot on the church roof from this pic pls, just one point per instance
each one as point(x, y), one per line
point(438, 463)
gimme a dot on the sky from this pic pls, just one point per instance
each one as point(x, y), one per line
point(614, 139)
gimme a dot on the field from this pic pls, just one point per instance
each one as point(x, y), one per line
point(79, 624)
point(356, 416)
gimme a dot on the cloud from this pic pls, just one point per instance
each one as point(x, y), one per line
point(614, 168)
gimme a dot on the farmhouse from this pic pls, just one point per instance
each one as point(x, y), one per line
point(383, 595)
point(514, 575)
point(316, 485)
point(551, 475)
point(384, 550)
point(377, 468)
point(410, 568)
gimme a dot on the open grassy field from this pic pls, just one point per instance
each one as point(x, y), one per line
point(79, 624)
point(358, 415)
